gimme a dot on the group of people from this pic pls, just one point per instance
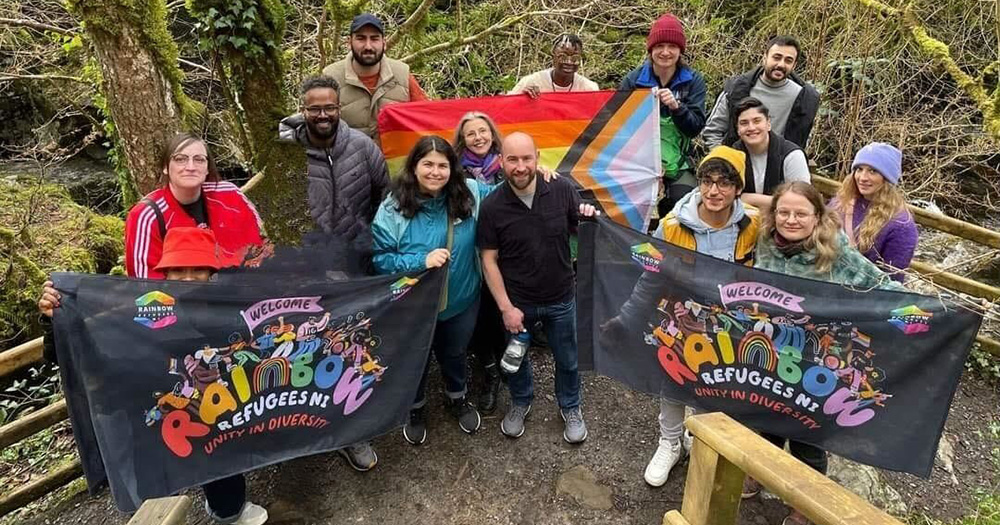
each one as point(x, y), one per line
point(482, 205)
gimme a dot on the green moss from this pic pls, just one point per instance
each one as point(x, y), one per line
point(246, 36)
point(149, 19)
point(46, 232)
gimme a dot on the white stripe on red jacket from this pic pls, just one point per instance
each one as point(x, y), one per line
point(231, 216)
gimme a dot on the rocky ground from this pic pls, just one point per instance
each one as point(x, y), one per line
point(539, 479)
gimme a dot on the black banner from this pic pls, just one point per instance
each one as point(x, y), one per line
point(174, 384)
point(866, 374)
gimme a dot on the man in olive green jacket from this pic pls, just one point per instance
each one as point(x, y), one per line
point(368, 79)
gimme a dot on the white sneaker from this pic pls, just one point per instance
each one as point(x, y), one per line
point(252, 514)
point(666, 456)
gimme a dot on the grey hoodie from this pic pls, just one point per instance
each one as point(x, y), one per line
point(717, 242)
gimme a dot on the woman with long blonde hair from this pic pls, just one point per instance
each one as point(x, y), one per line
point(873, 211)
point(802, 237)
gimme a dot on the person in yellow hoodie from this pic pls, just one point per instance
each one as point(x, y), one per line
point(714, 221)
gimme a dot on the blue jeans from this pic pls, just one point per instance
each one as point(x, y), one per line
point(559, 321)
point(451, 336)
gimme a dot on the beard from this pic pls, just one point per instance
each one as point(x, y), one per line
point(527, 182)
point(367, 60)
point(315, 131)
point(769, 73)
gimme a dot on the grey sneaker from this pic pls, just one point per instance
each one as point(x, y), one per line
point(513, 423)
point(361, 457)
point(575, 430)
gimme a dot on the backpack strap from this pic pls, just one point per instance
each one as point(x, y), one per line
point(159, 216)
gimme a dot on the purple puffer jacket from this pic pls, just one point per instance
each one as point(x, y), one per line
point(893, 245)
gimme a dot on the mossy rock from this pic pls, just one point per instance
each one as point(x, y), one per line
point(42, 231)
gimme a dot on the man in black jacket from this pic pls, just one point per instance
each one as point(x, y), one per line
point(347, 171)
point(792, 102)
point(347, 179)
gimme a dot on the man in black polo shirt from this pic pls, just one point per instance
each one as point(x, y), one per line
point(523, 232)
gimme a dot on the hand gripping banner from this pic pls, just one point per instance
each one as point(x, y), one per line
point(174, 384)
point(866, 374)
point(607, 141)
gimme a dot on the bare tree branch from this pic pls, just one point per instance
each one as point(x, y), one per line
point(418, 14)
point(12, 76)
point(194, 65)
point(503, 24)
point(38, 26)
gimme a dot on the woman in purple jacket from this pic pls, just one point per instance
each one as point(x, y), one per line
point(873, 210)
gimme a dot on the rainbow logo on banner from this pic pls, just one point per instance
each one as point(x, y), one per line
point(155, 310)
point(911, 320)
point(608, 142)
point(403, 285)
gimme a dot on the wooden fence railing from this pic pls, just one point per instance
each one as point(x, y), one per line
point(162, 511)
point(725, 452)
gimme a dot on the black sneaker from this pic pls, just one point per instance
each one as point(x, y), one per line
point(468, 418)
point(491, 389)
point(415, 429)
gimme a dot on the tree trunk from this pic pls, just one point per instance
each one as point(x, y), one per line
point(254, 73)
point(141, 83)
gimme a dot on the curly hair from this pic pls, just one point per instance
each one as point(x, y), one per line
point(406, 188)
point(885, 204)
point(823, 240)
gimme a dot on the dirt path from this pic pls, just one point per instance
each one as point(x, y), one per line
point(489, 479)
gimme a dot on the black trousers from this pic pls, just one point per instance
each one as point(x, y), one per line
point(226, 496)
point(489, 338)
point(811, 455)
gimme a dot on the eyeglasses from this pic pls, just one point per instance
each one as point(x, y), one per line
point(182, 160)
point(568, 58)
point(787, 214)
point(315, 111)
point(723, 184)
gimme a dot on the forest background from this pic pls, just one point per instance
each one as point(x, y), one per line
point(90, 89)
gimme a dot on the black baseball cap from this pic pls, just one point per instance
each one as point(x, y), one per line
point(366, 19)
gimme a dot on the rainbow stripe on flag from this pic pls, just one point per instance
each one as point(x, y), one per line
point(608, 142)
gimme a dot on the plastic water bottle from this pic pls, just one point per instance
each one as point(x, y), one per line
point(514, 354)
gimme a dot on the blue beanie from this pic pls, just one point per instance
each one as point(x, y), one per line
point(884, 158)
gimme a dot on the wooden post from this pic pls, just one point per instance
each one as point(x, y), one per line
point(20, 356)
point(33, 423)
point(674, 517)
point(26, 494)
point(712, 490)
point(162, 511)
point(723, 447)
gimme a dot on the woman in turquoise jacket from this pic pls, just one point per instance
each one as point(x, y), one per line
point(411, 232)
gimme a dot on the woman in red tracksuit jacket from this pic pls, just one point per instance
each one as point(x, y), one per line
point(192, 195)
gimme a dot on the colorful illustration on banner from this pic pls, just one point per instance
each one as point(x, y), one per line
point(155, 310)
point(815, 372)
point(308, 364)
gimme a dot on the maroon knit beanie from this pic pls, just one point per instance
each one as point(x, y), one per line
point(667, 29)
